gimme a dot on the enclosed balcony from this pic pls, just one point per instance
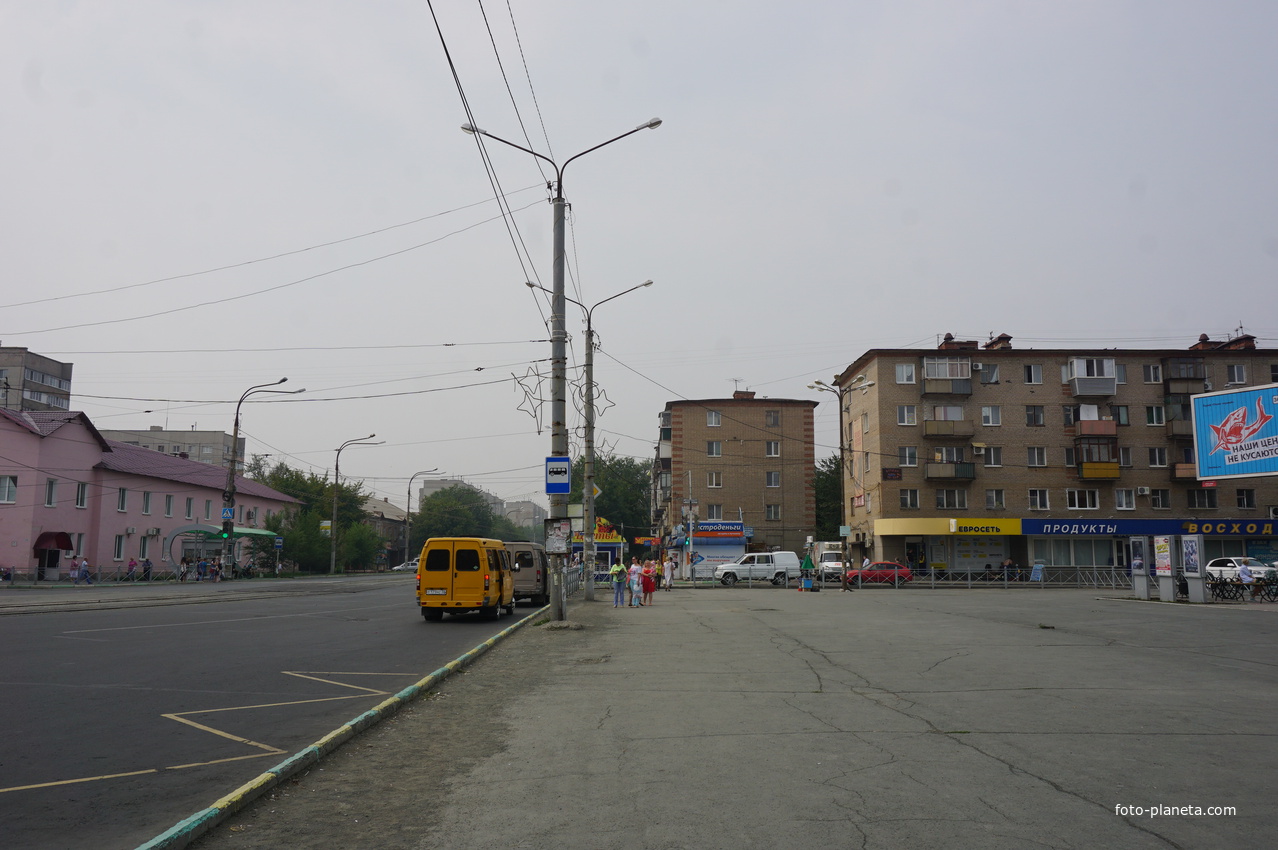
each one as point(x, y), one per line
point(1180, 428)
point(1184, 471)
point(962, 428)
point(950, 471)
point(1095, 428)
point(947, 386)
point(1091, 376)
point(1098, 469)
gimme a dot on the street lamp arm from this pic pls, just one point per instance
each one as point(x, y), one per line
point(649, 125)
point(473, 130)
point(590, 310)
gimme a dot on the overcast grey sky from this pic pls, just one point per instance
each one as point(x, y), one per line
point(830, 177)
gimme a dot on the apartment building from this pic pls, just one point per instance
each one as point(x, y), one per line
point(213, 447)
point(736, 471)
point(960, 456)
point(32, 381)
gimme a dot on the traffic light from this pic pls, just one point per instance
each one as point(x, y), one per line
point(228, 528)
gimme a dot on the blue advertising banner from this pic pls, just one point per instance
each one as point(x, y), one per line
point(1236, 432)
point(1149, 527)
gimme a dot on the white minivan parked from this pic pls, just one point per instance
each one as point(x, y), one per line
point(776, 567)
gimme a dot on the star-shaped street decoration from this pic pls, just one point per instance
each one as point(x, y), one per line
point(532, 402)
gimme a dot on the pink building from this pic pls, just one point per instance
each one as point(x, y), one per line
point(65, 491)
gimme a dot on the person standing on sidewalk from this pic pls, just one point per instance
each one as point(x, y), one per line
point(617, 575)
point(667, 572)
point(82, 573)
point(636, 583)
point(648, 577)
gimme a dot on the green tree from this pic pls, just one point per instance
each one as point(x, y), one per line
point(827, 485)
point(625, 492)
point(304, 543)
point(460, 511)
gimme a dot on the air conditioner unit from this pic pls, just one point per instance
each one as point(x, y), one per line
point(978, 450)
point(153, 532)
point(1273, 513)
point(977, 367)
point(1142, 491)
point(130, 530)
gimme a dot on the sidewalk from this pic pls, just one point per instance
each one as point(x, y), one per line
point(774, 719)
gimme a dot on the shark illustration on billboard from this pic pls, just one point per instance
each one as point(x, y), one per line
point(1234, 434)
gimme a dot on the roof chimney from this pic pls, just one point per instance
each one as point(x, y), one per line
point(1002, 342)
point(743, 394)
point(951, 344)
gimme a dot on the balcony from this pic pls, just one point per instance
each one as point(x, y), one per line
point(1095, 428)
point(1098, 470)
point(950, 471)
point(1089, 386)
point(1184, 386)
point(1180, 428)
point(963, 428)
point(1184, 471)
point(947, 386)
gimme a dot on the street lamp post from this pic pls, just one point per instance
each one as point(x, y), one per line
point(858, 383)
point(408, 516)
point(588, 475)
point(228, 494)
point(558, 352)
point(337, 480)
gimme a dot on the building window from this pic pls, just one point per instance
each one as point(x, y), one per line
point(714, 512)
point(144, 548)
point(993, 455)
point(991, 414)
point(989, 375)
point(714, 448)
point(1273, 373)
point(772, 512)
point(771, 479)
point(1036, 456)
point(8, 489)
point(117, 551)
point(208, 509)
point(1118, 412)
point(1202, 498)
point(951, 499)
point(1125, 500)
point(947, 367)
point(122, 500)
point(1152, 373)
point(994, 500)
point(772, 448)
point(1160, 499)
point(82, 494)
point(1154, 415)
point(907, 455)
point(1071, 457)
point(1120, 373)
point(1038, 500)
point(1236, 374)
point(772, 419)
point(865, 423)
point(907, 414)
point(1033, 373)
point(713, 419)
point(905, 373)
point(51, 493)
point(1070, 414)
point(1125, 456)
point(190, 508)
point(714, 479)
point(910, 500)
point(168, 506)
point(947, 412)
point(1246, 498)
point(949, 454)
point(1157, 456)
point(146, 502)
point(1034, 415)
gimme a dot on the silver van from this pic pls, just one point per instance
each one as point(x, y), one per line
point(533, 576)
point(776, 567)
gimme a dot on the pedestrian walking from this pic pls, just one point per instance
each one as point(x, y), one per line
point(201, 569)
point(648, 580)
point(131, 573)
point(617, 575)
point(82, 573)
point(635, 580)
point(183, 568)
point(146, 569)
point(667, 572)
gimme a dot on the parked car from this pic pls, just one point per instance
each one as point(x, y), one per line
point(829, 560)
point(776, 567)
point(1228, 567)
point(407, 566)
point(883, 572)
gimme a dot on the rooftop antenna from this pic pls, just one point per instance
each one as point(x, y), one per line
point(736, 383)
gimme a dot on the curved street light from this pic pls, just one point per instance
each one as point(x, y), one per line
point(860, 382)
point(558, 353)
point(228, 494)
point(588, 476)
point(337, 480)
point(408, 516)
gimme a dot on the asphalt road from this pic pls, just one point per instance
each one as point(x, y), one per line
point(147, 704)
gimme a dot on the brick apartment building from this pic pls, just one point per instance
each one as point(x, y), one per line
point(743, 467)
point(960, 456)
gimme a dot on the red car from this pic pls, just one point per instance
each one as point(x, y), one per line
point(885, 572)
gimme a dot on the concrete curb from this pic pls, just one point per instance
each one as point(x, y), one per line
point(183, 833)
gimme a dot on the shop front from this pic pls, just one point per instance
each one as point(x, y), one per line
point(949, 548)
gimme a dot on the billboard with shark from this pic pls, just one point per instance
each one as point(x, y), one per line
point(1236, 433)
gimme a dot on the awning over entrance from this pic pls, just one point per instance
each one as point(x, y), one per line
point(54, 540)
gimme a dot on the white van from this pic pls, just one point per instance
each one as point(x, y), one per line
point(776, 567)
